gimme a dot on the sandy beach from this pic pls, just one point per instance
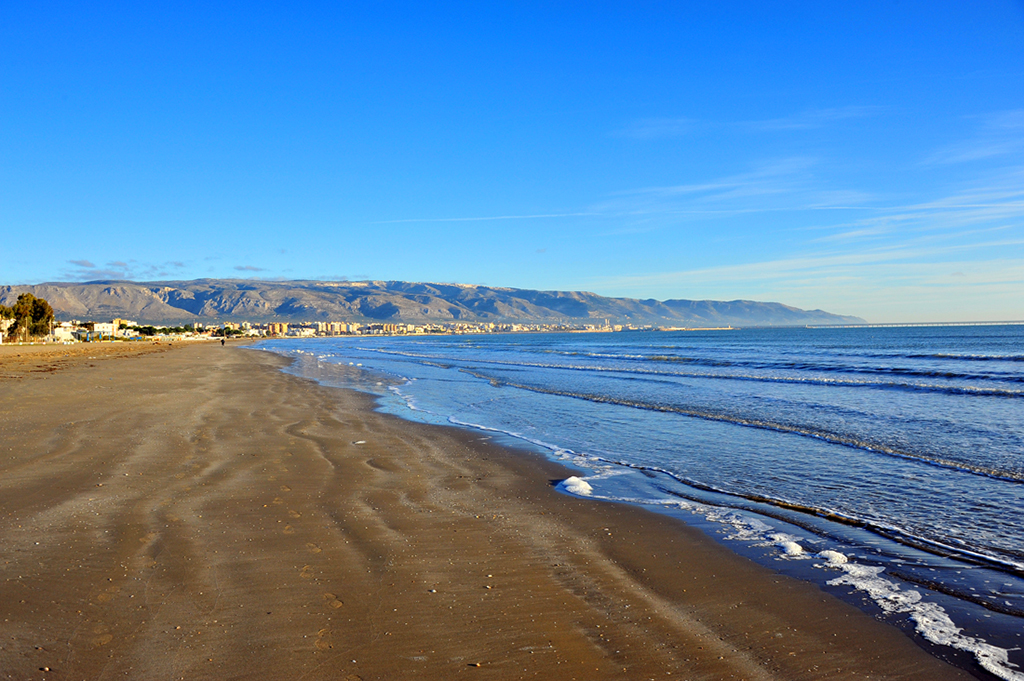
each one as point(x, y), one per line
point(191, 512)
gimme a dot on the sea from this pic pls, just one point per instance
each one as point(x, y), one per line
point(884, 464)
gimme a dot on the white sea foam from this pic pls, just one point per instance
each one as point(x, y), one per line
point(743, 527)
point(791, 548)
point(833, 558)
point(575, 485)
point(930, 619)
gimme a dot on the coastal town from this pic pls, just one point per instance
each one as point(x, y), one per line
point(33, 320)
point(75, 331)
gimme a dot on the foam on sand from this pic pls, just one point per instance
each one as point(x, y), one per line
point(575, 485)
point(930, 619)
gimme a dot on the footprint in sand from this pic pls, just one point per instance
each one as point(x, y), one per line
point(277, 501)
point(294, 514)
point(108, 594)
point(332, 600)
point(323, 639)
point(306, 572)
point(102, 635)
point(313, 548)
point(286, 488)
point(288, 529)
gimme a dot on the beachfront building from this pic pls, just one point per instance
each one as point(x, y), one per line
point(103, 330)
point(122, 326)
point(64, 332)
point(382, 329)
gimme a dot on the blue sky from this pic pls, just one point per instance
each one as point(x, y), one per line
point(866, 160)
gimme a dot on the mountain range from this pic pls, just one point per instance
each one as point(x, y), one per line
point(206, 300)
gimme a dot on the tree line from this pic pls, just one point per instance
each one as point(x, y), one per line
point(32, 316)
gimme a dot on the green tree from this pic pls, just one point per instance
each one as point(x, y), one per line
point(5, 313)
point(33, 316)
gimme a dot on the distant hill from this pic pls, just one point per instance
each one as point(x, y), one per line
point(164, 302)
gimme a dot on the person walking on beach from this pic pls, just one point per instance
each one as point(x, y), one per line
point(222, 341)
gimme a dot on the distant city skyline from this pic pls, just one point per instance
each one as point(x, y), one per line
point(866, 160)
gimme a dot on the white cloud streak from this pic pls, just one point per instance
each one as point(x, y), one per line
point(669, 127)
point(999, 134)
point(132, 270)
point(485, 218)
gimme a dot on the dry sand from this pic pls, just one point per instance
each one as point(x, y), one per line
point(195, 513)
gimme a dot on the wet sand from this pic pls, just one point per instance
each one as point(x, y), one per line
point(194, 513)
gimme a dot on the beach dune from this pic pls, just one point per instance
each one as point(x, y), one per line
point(195, 513)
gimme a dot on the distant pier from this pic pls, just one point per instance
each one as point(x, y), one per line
point(899, 324)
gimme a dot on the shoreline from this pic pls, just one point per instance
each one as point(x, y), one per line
point(208, 515)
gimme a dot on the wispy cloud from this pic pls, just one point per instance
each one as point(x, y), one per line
point(654, 128)
point(97, 274)
point(888, 264)
point(120, 270)
point(486, 218)
point(998, 134)
point(667, 127)
point(813, 118)
point(86, 270)
point(820, 264)
point(776, 177)
point(249, 268)
point(787, 184)
point(995, 202)
point(898, 284)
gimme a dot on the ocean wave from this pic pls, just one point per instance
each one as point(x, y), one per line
point(808, 365)
point(980, 391)
point(805, 431)
point(967, 357)
point(1013, 563)
point(1000, 558)
point(942, 356)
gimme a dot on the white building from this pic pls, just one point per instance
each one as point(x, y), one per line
point(103, 329)
point(64, 332)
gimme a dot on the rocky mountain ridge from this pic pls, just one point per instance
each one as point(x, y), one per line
point(206, 300)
